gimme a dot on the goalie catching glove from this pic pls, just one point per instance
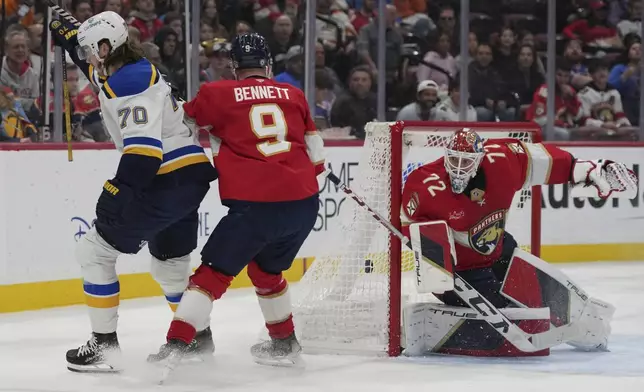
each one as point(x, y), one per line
point(603, 178)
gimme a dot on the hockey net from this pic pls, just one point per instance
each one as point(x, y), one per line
point(350, 299)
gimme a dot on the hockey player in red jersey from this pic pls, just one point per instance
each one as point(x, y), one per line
point(471, 189)
point(268, 154)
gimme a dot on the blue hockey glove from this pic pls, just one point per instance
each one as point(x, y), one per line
point(113, 200)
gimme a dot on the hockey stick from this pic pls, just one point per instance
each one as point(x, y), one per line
point(523, 341)
point(63, 14)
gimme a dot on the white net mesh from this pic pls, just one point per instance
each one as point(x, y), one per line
point(342, 303)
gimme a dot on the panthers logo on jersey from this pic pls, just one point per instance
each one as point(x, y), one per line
point(486, 234)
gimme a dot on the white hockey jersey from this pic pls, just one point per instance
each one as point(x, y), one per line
point(144, 119)
point(599, 106)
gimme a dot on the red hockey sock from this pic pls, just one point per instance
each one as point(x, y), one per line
point(274, 301)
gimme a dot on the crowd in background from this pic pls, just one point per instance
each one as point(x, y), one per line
point(597, 69)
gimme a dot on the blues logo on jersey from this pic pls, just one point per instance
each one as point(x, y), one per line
point(486, 234)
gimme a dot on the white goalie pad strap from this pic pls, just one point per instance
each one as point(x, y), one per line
point(433, 245)
point(428, 326)
point(540, 164)
point(594, 326)
point(276, 308)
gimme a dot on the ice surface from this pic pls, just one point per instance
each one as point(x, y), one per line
point(33, 345)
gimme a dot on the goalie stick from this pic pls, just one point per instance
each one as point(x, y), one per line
point(523, 341)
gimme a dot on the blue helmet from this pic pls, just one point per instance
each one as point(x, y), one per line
point(250, 50)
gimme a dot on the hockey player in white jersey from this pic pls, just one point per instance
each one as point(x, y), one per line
point(162, 177)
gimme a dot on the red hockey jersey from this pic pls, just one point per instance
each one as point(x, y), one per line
point(265, 143)
point(477, 217)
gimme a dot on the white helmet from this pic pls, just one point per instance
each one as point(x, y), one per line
point(108, 26)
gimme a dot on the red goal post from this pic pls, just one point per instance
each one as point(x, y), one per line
point(351, 300)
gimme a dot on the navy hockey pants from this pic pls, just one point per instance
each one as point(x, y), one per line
point(270, 234)
point(166, 219)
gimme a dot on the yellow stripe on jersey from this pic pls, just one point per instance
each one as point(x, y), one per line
point(108, 90)
point(183, 162)
point(148, 152)
point(153, 76)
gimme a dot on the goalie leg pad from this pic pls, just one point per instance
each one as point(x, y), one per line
point(433, 328)
point(274, 301)
point(98, 267)
point(595, 320)
point(531, 282)
point(433, 246)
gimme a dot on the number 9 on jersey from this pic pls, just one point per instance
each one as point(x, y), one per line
point(267, 121)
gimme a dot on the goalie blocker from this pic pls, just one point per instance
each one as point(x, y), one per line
point(543, 301)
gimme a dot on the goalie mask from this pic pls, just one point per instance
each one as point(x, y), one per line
point(463, 155)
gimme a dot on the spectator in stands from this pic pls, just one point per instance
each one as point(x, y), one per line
point(294, 67)
point(145, 19)
point(505, 54)
point(618, 10)
point(472, 46)
point(421, 108)
point(328, 30)
point(487, 94)
point(356, 107)
point(320, 64)
point(625, 77)
point(280, 40)
point(112, 5)
point(82, 10)
point(601, 107)
point(219, 61)
point(524, 77)
point(411, 11)
point(634, 22)
point(206, 33)
point(594, 30)
point(526, 38)
point(567, 105)
point(443, 64)
point(34, 32)
point(172, 59)
point(574, 56)
point(447, 23)
point(368, 45)
point(17, 72)
point(16, 127)
point(174, 20)
point(17, 11)
point(134, 34)
point(324, 98)
point(243, 27)
point(449, 109)
point(210, 16)
point(364, 15)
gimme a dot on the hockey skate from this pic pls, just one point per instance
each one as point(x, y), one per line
point(95, 356)
point(278, 352)
point(201, 347)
